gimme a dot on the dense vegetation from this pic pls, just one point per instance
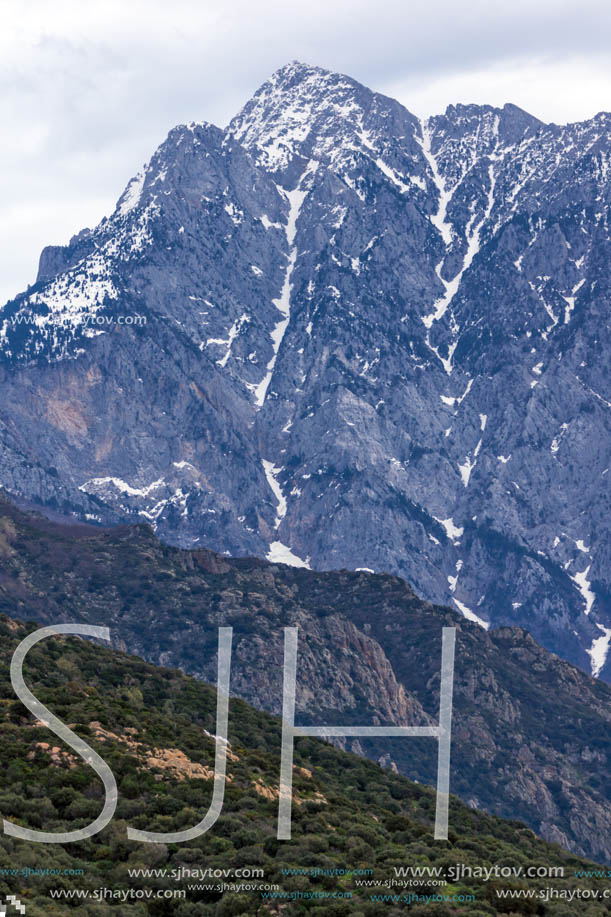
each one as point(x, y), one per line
point(351, 813)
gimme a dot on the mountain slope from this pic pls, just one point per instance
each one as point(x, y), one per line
point(356, 340)
point(530, 732)
point(153, 727)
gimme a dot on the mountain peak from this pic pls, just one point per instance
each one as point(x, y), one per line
point(297, 70)
point(308, 112)
point(480, 129)
point(509, 114)
point(325, 333)
point(196, 136)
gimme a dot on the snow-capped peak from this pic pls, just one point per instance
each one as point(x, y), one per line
point(316, 114)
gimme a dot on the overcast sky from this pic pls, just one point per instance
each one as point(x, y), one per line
point(89, 88)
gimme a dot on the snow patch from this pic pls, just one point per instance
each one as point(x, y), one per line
point(470, 615)
point(267, 223)
point(454, 532)
point(132, 194)
point(283, 303)
point(227, 342)
point(599, 650)
point(234, 212)
point(583, 584)
point(439, 219)
point(473, 247)
point(453, 580)
point(122, 486)
point(570, 301)
point(390, 173)
point(452, 402)
point(271, 473)
point(280, 554)
point(555, 446)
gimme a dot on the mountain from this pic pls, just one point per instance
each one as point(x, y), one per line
point(341, 337)
point(155, 729)
point(529, 732)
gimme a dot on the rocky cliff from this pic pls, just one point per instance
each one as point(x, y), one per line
point(336, 335)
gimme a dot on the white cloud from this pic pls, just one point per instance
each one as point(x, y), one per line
point(533, 85)
point(88, 90)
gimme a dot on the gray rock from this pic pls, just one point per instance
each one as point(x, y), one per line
point(437, 404)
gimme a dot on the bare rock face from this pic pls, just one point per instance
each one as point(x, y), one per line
point(337, 336)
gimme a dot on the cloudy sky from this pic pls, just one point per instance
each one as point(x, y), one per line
point(88, 90)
